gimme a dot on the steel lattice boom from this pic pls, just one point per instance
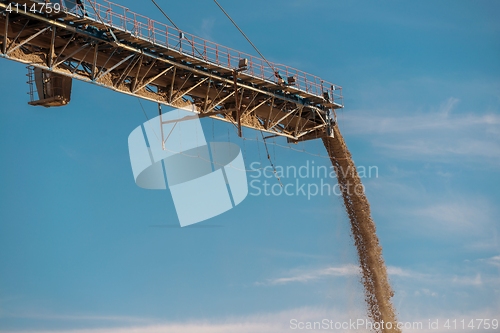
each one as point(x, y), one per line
point(105, 43)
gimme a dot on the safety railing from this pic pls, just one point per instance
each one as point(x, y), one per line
point(143, 28)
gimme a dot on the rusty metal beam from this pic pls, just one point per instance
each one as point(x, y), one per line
point(81, 48)
point(283, 118)
point(64, 47)
point(257, 106)
point(213, 105)
point(82, 59)
point(135, 78)
point(27, 40)
point(179, 90)
point(17, 36)
point(115, 66)
point(152, 79)
point(189, 90)
point(105, 63)
point(127, 70)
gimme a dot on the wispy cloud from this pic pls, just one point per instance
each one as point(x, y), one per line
point(277, 322)
point(443, 148)
point(439, 133)
point(494, 261)
point(282, 322)
point(305, 275)
point(457, 216)
point(309, 275)
point(206, 28)
point(468, 280)
point(181, 328)
point(80, 318)
point(412, 206)
point(405, 273)
point(442, 118)
point(426, 292)
point(291, 254)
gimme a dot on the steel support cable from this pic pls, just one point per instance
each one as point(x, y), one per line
point(165, 14)
point(246, 37)
point(270, 65)
point(270, 161)
point(175, 26)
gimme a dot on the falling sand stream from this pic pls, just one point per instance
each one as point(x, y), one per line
point(378, 292)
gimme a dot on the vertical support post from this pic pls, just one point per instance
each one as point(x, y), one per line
point(268, 120)
point(124, 20)
point(237, 98)
point(94, 62)
point(136, 76)
point(172, 85)
point(52, 48)
point(205, 107)
point(161, 127)
point(4, 46)
point(299, 118)
point(153, 32)
point(110, 16)
point(180, 41)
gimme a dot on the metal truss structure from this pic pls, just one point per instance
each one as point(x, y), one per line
point(106, 44)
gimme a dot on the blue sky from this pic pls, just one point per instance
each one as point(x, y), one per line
point(83, 249)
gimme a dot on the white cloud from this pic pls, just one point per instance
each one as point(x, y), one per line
point(207, 28)
point(432, 215)
point(426, 292)
point(440, 133)
point(468, 280)
point(400, 272)
point(278, 322)
point(308, 275)
point(290, 254)
point(456, 216)
point(383, 122)
point(181, 328)
point(444, 148)
point(494, 261)
point(93, 318)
